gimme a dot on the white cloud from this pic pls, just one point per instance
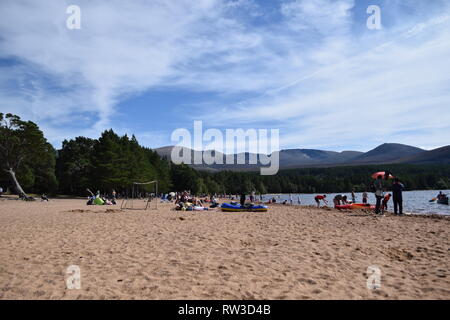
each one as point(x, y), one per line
point(309, 73)
point(397, 92)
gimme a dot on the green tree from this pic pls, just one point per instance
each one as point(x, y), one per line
point(25, 153)
point(74, 165)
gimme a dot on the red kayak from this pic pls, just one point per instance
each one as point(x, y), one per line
point(355, 206)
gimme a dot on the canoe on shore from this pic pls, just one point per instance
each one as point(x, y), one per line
point(355, 206)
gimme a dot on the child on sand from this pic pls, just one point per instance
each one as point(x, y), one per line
point(386, 199)
point(318, 198)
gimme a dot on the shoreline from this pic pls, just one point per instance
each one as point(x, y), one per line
point(222, 200)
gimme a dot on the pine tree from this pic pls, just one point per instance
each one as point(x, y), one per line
point(25, 154)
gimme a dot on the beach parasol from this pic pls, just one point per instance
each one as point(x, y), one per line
point(383, 174)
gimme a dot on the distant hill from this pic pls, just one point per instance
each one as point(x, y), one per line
point(387, 152)
point(436, 156)
point(298, 158)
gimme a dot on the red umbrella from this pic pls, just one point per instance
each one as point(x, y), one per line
point(383, 174)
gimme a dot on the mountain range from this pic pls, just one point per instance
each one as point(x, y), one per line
point(299, 158)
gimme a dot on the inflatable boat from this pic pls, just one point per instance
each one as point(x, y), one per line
point(354, 206)
point(228, 207)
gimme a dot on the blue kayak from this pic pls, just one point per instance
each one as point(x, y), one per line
point(228, 207)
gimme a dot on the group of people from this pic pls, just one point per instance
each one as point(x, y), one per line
point(341, 199)
point(185, 201)
point(99, 199)
point(382, 198)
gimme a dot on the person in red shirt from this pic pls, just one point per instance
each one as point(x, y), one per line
point(320, 197)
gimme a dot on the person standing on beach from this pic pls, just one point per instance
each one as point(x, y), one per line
point(252, 196)
point(242, 199)
point(290, 199)
point(378, 184)
point(397, 194)
point(364, 197)
point(353, 196)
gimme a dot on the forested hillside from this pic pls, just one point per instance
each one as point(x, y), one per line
point(115, 162)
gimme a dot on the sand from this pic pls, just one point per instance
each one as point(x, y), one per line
point(288, 253)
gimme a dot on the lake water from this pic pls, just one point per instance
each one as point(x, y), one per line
point(413, 201)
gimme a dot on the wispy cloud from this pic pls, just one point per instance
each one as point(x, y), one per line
point(302, 64)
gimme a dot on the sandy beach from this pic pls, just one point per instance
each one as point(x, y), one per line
point(287, 253)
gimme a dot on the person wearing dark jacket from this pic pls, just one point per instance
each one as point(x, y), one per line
point(242, 199)
point(397, 189)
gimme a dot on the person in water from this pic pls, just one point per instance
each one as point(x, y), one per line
point(364, 197)
point(318, 198)
point(397, 190)
point(441, 196)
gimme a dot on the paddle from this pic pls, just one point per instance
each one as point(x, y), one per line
point(433, 200)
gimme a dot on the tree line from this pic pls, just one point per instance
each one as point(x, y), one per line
point(28, 162)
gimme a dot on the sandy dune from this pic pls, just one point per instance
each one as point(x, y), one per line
point(288, 253)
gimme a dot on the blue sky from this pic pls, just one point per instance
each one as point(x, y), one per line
point(310, 68)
